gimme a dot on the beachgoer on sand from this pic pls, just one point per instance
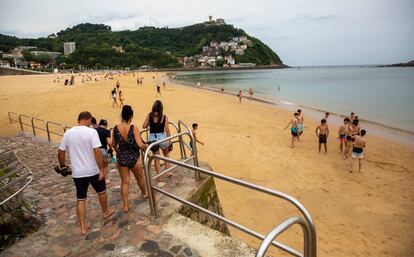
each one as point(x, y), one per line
point(240, 96)
point(358, 150)
point(194, 132)
point(127, 144)
point(326, 116)
point(159, 129)
point(86, 160)
point(300, 123)
point(293, 129)
point(158, 90)
point(113, 96)
point(106, 145)
point(93, 123)
point(322, 132)
point(342, 134)
point(121, 98)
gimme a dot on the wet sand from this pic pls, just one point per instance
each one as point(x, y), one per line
point(359, 214)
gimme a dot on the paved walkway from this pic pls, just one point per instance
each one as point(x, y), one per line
point(135, 233)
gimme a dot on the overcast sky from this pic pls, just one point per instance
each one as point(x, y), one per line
point(301, 32)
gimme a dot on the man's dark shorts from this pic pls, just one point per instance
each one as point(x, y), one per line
point(82, 185)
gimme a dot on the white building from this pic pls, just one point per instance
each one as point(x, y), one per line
point(53, 55)
point(69, 47)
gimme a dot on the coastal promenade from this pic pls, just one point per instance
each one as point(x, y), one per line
point(135, 233)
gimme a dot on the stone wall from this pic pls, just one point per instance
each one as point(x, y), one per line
point(17, 219)
point(11, 71)
point(206, 197)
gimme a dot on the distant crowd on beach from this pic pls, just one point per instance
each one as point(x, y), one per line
point(350, 135)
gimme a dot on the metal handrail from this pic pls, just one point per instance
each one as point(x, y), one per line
point(20, 120)
point(311, 243)
point(34, 127)
point(193, 149)
point(147, 166)
point(21, 116)
point(282, 227)
point(29, 174)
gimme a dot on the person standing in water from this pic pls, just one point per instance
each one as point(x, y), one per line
point(250, 93)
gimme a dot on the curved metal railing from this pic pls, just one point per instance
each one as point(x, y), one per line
point(16, 179)
point(310, 241)
point(282, 227)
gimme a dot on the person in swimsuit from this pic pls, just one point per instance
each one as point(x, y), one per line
point(250, 93)
point(121, 98)
point(342, 134)
point(159, 129)
point(127, 144)
point(158, 90)
point(351, 117)
point(358, 150)
point(113, 96)
point(194, 132)
point(240, 96)
point(326, 116)
point(293, 129)
point(322, 132)
point(300, 123)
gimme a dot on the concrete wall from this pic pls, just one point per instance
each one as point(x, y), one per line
point(12, 71)
point(206, 197)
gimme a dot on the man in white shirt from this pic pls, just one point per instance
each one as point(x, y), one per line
point(87, 164)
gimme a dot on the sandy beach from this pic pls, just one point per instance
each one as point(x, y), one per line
point(359, 214)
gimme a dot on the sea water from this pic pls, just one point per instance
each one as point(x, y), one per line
point(378, 94)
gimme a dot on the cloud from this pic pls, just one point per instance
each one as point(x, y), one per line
point(317, 18)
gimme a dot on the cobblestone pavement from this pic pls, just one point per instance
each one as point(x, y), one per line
point(135, 233)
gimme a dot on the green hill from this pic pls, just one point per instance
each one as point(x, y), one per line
point(157, 47)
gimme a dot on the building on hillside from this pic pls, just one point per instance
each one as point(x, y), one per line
point(22, 48)
point(220, 21)
point(4, 64)
point(35, 65)
point(247, 64)
point(230, 60)
point(119, 49)
point(242, 39)
point(68, 48)
point(53, 55)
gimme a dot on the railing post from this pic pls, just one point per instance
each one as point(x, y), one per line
point(47, 130)
point(21, 123)
point(181, 143)
point(10, 118)
point(33, 127)
point(148, 182)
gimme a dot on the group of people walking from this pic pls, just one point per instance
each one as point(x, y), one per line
point(90, 150)
point(350, 135)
